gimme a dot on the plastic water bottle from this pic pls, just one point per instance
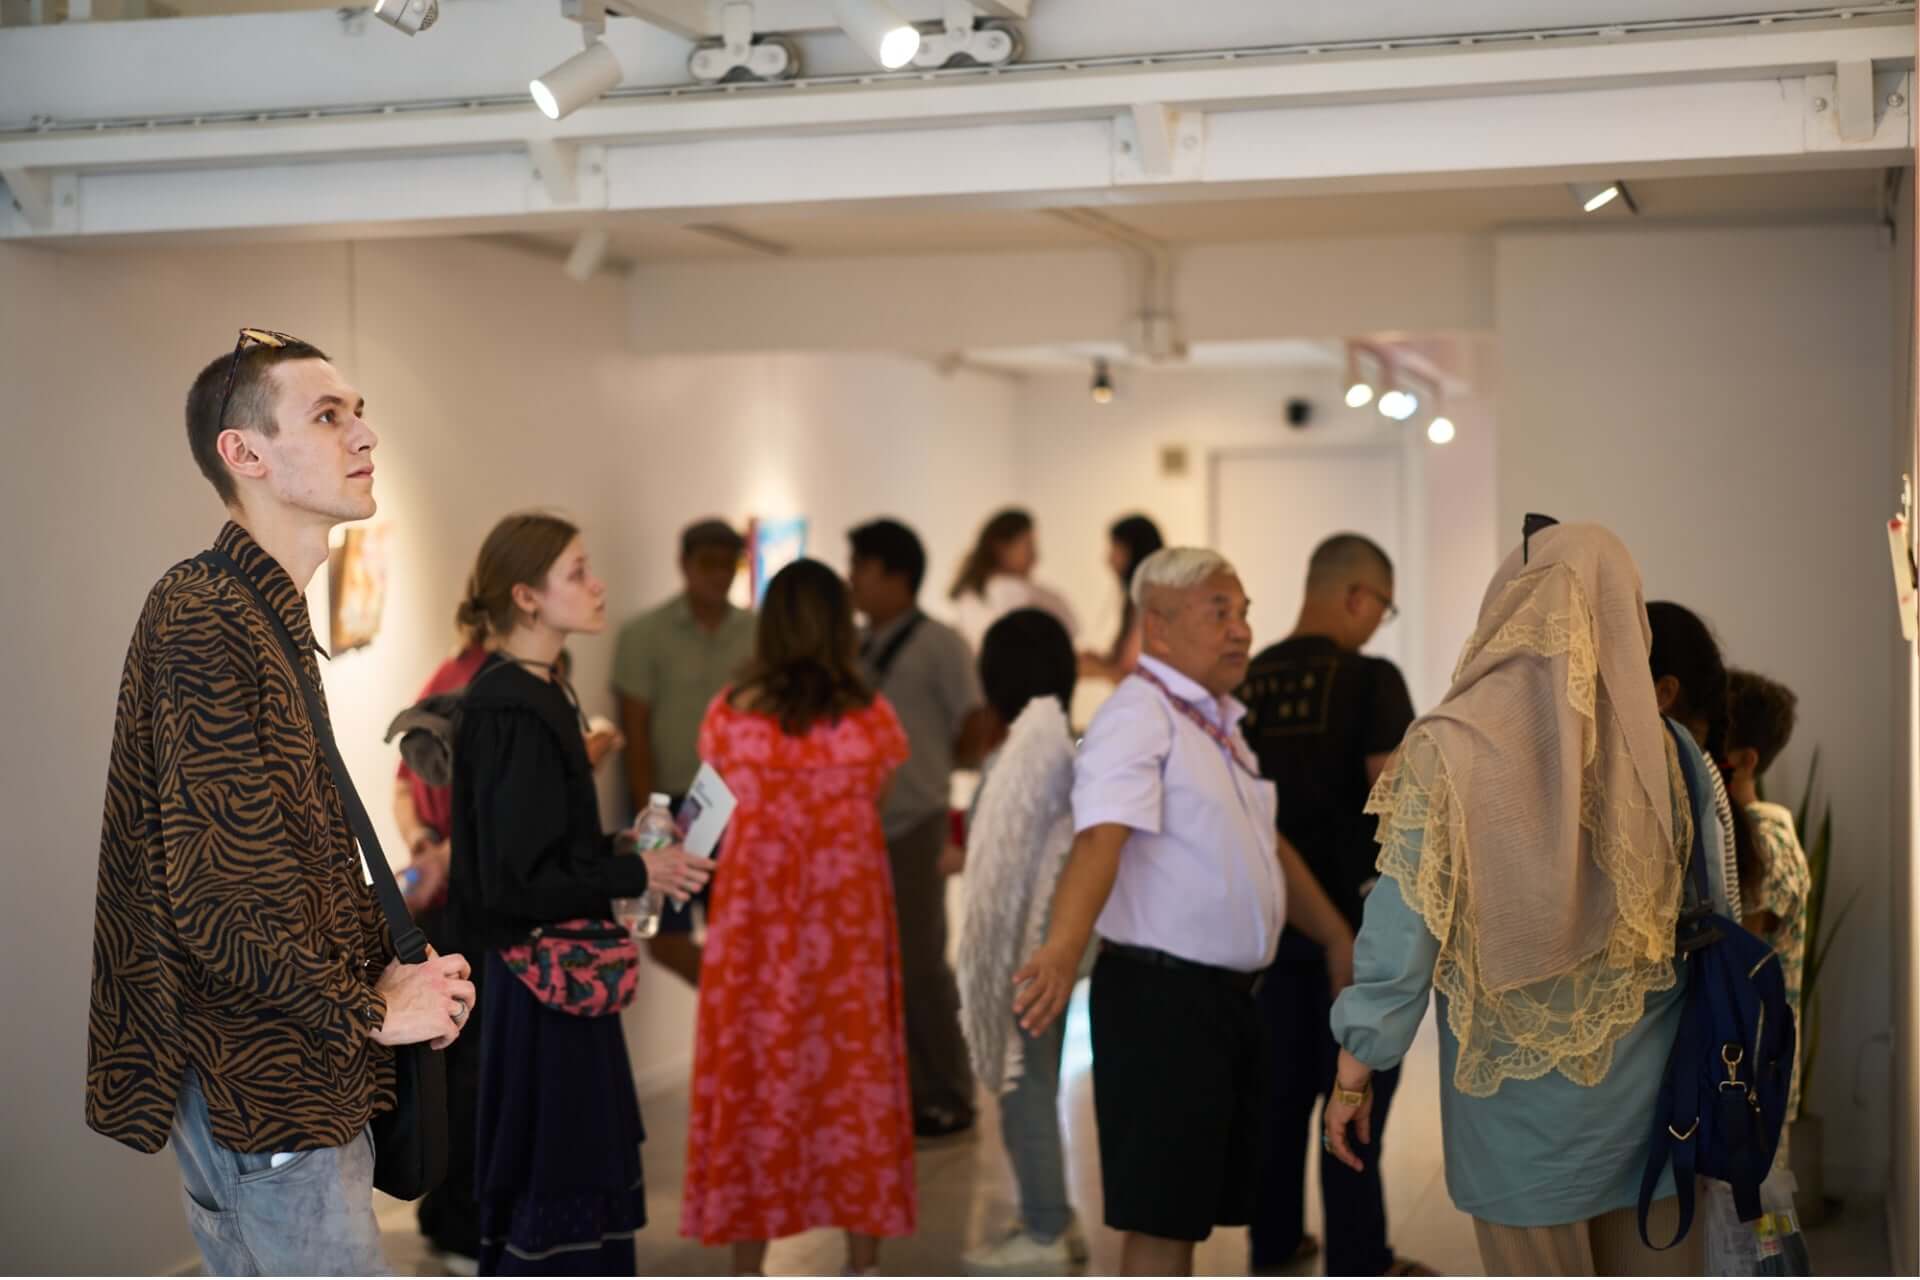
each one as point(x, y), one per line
point(653, 829)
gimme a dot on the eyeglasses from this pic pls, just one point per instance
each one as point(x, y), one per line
point(248, 338)
point(1388, 609)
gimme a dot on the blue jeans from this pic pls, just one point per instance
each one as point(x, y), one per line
point(1030, 1127)
point(313, 1215)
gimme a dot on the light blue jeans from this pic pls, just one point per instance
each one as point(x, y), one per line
point(311, 1216)
point(1030, 1127)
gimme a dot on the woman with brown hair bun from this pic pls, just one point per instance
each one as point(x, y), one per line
point(801, 1115)
point(558, 1136)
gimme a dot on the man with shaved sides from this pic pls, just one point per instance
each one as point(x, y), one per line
point(1323, 718)
point(246, 996)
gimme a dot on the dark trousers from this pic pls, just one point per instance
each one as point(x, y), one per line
point(938, 1072)
point(449, 1214)
point(1296, 1004)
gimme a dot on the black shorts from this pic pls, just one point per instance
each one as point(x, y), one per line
point(1179, 1088)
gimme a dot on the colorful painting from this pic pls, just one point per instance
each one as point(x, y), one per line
point(356, 588)
point(772, 545)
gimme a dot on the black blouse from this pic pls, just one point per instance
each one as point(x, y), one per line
point(527, 845)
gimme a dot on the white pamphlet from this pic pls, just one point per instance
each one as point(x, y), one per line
point(705, 812)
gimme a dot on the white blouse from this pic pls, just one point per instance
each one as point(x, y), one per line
point(974, 614)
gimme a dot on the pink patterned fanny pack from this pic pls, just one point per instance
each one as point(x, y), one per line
point(588, 968)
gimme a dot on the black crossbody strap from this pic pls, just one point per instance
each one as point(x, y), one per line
point(408, 942)
point(883, 662)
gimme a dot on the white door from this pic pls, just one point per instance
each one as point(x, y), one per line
point(1271, 508)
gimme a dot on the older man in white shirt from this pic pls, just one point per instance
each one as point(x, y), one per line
point(1176, 859)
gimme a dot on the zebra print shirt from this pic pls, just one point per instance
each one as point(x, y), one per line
point(233, 929)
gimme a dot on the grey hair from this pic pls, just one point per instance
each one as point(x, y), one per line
point(1176, 569)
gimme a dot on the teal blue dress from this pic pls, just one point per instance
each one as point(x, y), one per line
point(1537, 1153)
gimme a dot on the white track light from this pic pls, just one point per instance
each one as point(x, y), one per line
point(408, 16)
point(1365, 372)
point(1102, 389)
point(875, 26)
point(576, 82)
point(1440, 430)
point(1595, 196)
point(1399, 405)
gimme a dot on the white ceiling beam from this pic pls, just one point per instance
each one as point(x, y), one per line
point(1153, 135)
point(688, 19)
point(1224, 86)
point(557, 167)
point(1853, 99)
point(698, 19)
point(32, 194)
point(1729, 126)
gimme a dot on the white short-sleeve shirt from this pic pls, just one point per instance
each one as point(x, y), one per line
point(1200, 876)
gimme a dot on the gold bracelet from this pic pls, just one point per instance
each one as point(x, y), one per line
point(1352, 1097)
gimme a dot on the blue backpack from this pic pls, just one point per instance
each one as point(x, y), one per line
point(1723, 1100)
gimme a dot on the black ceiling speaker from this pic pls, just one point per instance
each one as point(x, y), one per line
point(1299, 413)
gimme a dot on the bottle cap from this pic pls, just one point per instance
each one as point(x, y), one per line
point(661, 799)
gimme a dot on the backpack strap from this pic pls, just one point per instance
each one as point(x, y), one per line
point(1676, 1112)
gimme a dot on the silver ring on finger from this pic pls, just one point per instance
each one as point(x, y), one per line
point(459, 1010)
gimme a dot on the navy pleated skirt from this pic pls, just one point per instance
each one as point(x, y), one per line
point(557, 1150)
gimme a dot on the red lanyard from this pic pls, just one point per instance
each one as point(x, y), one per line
point(1192, 713)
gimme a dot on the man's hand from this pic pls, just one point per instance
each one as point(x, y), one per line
point(1044, 987)
point(428, 1001)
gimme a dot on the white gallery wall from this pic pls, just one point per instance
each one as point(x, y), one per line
point(495, 383)
point(1083, 464)
point(1721, 398)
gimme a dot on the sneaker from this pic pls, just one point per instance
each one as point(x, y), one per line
point(1019, 1254)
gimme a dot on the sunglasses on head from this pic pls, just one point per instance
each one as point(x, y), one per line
point(249, 338)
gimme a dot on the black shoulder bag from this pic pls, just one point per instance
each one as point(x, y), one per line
point(410, 1141)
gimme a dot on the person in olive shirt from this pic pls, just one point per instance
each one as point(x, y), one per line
point(1323, 720)
point(669, 664)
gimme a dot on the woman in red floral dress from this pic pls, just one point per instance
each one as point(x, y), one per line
point(801, 1115)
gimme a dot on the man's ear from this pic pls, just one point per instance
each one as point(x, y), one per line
point(1666, 692)
point(1744, 759)
point(237, 453)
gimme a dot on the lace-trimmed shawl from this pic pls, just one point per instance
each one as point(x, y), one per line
point(1537, 820)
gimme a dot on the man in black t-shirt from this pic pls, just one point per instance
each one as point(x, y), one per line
point(1323, 719)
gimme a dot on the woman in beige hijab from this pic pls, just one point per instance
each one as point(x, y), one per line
point(1533, 831)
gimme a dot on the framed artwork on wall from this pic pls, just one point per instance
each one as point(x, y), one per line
point(772, 545)
point(356, 588)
